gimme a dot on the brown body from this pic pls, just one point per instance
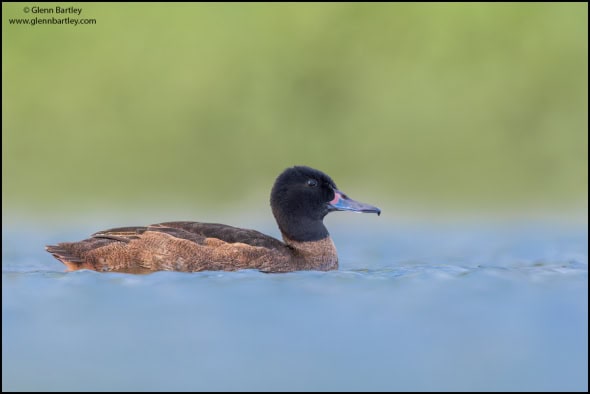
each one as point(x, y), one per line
point(191, 247)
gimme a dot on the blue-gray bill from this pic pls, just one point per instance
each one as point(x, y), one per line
point(342, 202)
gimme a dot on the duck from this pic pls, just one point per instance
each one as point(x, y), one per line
point(300, 199)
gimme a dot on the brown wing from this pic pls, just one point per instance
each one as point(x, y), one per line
point(160, 246)
point(223, 232)
point(194, 231)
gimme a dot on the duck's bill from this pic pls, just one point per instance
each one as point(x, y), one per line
point(342, 202)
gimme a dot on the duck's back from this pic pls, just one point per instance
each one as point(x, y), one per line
point(176, 246)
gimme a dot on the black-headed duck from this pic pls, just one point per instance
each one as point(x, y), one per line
point(300, 199)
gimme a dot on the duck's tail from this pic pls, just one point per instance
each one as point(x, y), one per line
point(65, 252)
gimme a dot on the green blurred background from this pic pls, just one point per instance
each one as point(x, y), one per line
point(424, 106)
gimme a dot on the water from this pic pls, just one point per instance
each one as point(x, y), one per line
point(417, 306)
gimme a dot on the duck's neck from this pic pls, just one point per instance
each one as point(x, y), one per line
point(303, 229)
point(310, 243)
point(318, 255)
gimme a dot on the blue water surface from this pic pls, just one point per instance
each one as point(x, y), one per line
point(414, 306)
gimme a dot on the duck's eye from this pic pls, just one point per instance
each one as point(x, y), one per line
point(312, 182)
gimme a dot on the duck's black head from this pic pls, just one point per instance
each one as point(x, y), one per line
point(302, 196)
